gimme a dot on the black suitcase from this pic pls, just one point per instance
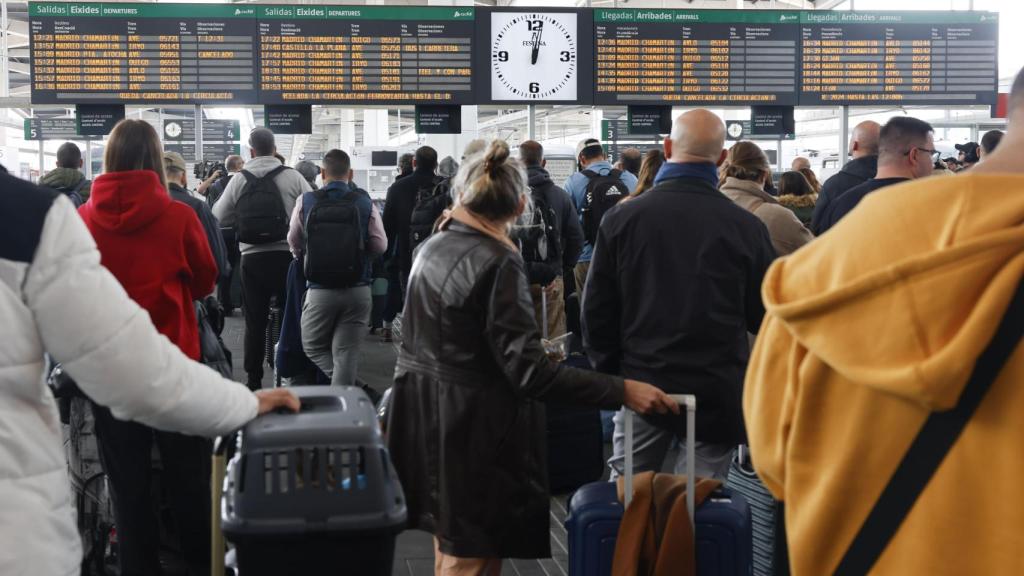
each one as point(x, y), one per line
point(575, 443)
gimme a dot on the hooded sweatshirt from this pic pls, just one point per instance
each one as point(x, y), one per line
point(861, 341)
point(155, 247)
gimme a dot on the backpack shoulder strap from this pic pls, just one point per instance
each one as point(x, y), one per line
point(931, 445)
point(249, 176)
point(615, 173)
point(277, 170)
point(81, 185)
point(590, 174)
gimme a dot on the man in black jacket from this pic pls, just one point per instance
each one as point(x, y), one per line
point(177, 179)
point(398, 207)
point(674, 288)
point(864, 150)
point(546, 277)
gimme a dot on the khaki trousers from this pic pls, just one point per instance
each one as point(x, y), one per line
point(580, 272)
point(555, 304)
point(445, 565)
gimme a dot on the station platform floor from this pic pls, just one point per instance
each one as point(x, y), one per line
point(414, 554)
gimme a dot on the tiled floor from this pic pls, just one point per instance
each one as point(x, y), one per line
point(414, 554)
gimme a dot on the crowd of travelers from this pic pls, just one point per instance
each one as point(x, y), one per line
point(822, 324)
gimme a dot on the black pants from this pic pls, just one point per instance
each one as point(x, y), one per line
point(126, 454)
point(264, 274)
point(224, 284)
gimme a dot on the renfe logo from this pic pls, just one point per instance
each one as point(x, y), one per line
point(244, 11)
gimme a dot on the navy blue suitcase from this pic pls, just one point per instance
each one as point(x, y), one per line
point(723, 525)
point(724, 534)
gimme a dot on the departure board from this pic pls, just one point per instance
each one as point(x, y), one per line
point(696, 57)
point(941, 57)
point(142, 53)
point(365, 55)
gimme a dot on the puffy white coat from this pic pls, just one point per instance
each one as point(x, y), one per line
point(56, 297)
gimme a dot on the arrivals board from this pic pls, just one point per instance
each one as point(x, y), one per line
point(893, 58)
point(365, 55)
point(142, 53)
point(696, 57)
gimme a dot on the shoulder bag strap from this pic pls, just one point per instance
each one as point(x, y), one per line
point(933, 442)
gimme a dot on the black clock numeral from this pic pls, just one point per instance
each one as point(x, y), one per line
point(566, 56)
point(534, 87)
point(503, 56)
point(533, 25)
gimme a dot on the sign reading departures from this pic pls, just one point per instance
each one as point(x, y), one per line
point(118, 53)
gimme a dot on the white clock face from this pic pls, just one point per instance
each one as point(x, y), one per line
point(533, 56)
point(172, 129)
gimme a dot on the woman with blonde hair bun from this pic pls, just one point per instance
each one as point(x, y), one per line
point(745, 172)
point(466, 429)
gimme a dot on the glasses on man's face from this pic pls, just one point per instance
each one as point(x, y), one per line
point(931, 152)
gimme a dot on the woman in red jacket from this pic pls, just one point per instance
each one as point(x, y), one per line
point(158, 251)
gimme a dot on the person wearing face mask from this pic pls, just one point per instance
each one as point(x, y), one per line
point(906, 149)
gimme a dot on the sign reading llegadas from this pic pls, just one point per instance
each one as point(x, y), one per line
point(168, 53)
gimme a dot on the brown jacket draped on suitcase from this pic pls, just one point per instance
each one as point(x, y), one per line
point(658, 515)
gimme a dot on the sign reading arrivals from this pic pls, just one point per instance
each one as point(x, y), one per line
point(940, 57)
point(306, 54)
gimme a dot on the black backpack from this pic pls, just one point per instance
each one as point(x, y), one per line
point(603, 192)
point(335, 243)
point(431, 202)
point(74, 193)
point(537, 237)
point(262, 217)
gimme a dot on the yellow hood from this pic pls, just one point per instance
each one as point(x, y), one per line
point(908, 310)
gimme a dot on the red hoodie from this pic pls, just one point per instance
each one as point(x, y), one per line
point(155, 247)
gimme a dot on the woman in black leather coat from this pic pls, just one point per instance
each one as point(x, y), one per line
point(467, 425)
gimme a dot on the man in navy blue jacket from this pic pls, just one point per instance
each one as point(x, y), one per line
point(334, 319)
point(674, 288)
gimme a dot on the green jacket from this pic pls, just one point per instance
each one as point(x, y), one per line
point(67, 180)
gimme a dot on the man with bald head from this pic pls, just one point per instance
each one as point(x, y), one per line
point(800, 163)
point(674, 288)
point(862, 167)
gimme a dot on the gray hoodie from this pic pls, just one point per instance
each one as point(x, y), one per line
point(289, 182)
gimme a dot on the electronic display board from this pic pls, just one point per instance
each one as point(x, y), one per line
point(696, 57)
point(939, 57)
point(142, 53)
point(311, 54)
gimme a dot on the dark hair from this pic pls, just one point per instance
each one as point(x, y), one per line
point(631, 159)
point(491, 184)
point(592, 149)
point(337, 163)
point(794, 183)
point(531, 153)
point(1016, 92)
point(134, 145)
point(900, 134)
point(990, 140)
point(405, 163)
point(812, 179)
point(426, 158)
point(261, 140)
point(69, 155)
point(653, 160)
point(746, 161)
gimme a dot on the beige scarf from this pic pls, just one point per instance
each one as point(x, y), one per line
point(478, 223)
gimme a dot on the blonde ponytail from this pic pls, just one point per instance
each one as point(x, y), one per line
point(491, 184)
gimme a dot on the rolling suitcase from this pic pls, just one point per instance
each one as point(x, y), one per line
point(723, 525)
point(575, 443)
point(767, 521)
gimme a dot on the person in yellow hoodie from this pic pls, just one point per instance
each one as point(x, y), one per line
point(871, 329)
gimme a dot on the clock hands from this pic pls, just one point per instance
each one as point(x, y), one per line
point(536, 45)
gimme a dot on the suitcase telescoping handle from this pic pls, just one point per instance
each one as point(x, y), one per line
point(688, 401)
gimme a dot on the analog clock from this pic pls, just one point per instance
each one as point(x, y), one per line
point(172, 129)
point(534, 56)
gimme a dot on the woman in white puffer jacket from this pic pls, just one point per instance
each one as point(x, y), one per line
point(56, 298)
